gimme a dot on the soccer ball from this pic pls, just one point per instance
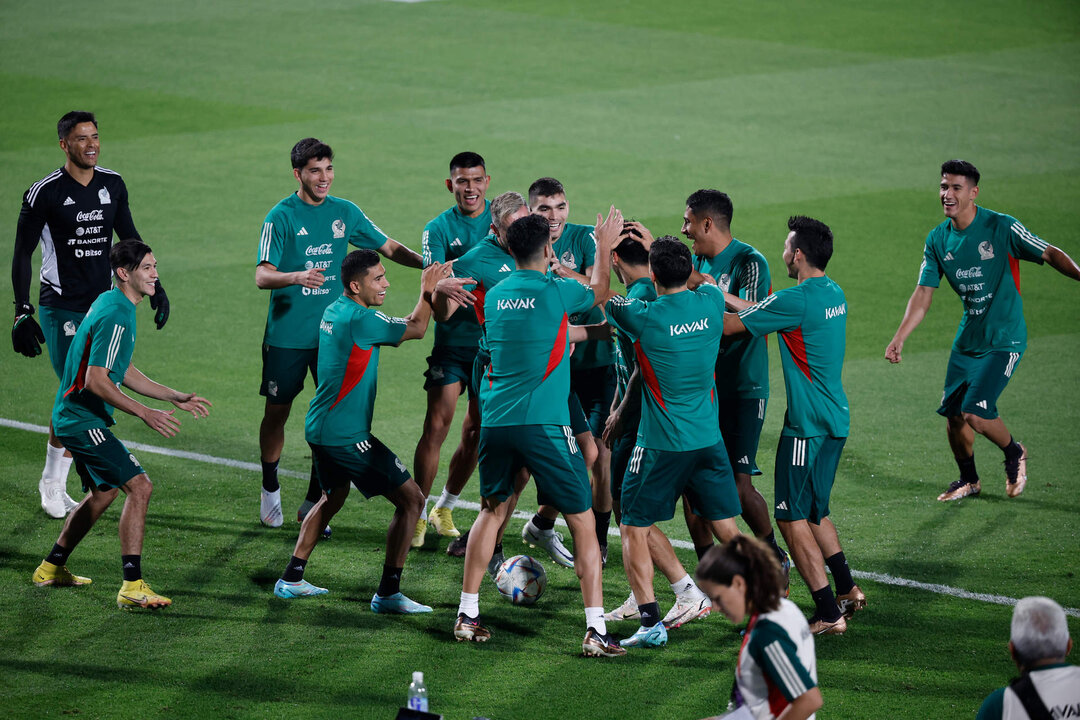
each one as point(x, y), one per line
point(521, 580)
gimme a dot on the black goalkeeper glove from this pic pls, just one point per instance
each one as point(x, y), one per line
point(160, 301)
point(26, 335)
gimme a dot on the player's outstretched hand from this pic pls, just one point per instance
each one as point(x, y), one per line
point(431, 276)
point(892, 353)
point(26, 335)
point(192, 403)
point(161, 421)
point(312, 278)
point(612, 429)
point(454, 288)
point(159, 301)
point(608, 229)
point(636, 231)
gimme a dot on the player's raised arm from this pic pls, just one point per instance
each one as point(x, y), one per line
point(401, 254)
point(916, 310)
point(607, 233)
point(1060, 261)
point(136, 380)
point(417, 320)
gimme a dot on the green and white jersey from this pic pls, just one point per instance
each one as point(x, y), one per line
point(982, 264)
point(1056, 686)
point(742, 366)
point(576, 249)
point(297, 236)
point(105, 338)
point(676, 338)
point(448, 237)
point(349, 339)
point(777, 662)
point(625, 359)
point(488, 264)
point(527, 320)
point(811, 321)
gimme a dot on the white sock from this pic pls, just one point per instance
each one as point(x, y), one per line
point(470, 604)
point(424, 512)
point(56, 469)
point(446, 500)
point(594, 618)
point(685, 587)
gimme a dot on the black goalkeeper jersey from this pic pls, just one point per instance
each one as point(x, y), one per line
point(74, 225)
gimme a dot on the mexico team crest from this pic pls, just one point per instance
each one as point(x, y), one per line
point(725, 282)
point(986, 250)
point(103, 196)
point(338, 227)
point(567, 259)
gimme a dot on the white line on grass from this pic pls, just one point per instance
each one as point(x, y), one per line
point(883, 578)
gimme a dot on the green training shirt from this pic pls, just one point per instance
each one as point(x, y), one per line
point(742, 366)
point(298, 236)
point(811, 321)
point(349, 339)
point(981, 263)
point(528, 380)
point(448, 237)
point(625, 360)
point(576, 249)
point(676, 338)
point(105, 338)
point(488, 264)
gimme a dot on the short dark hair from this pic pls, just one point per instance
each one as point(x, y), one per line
point(128, 254)
point(813, 237)
point(713, 204)
point(356, 264)
point(545, 187)
point(754, 561)
point(670, 261)
point(71, 119)
point(309, 149)
point(467, 160)
point(629, 250)
point(527, 236)
point(961, 167)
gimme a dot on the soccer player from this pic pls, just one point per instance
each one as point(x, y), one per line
point(304, 238)
point(742, 366)
point(72, 213)
point(525, 422)
point(630, 261)
point(978, 250)
point(776, 674)
point(338, 425)
point(811, 320)
point(592, 364)
point(679, 449)
point(448, 237)
point(98, 362)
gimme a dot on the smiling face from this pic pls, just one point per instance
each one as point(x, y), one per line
point(469, 186)
point(957, 194)
point(315, 179)
point(370, 289)
point(555, 210)
point(727, 599)
point(142, 278)
point(82, 145)
point(695, 228)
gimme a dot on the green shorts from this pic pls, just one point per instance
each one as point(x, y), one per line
point(449, 364)
point(551, 454)
point(621, 450)
point(101, 459)
point(369, 465)
point(594, 388)
point(974, 383)
point(656, 479)
point(741, 420)
point(578, 422)
point(804, 475)
point(479, 368)
point(284, 370)
point(59, 326)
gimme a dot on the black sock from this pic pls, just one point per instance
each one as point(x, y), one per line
point(497, 550)
point(132, 566)
point(58, 555)
point(603, 522)
point(702, 549)
point(314, 490)
point(841, 573)
point(542, 523)
point(270, 481)
point(825, 601)
point(650, 613)
point(391, 581)
point(1013, 451)
point(294, 571)
point(967, 470)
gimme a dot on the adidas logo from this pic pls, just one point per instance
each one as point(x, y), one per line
point(297, 567)
point(505, 268)
point(982, 404)
point(69, 201)
point(948, 256)
point(303, 231)
point(744, 460)
point(782, 505)
point(129, 564)
point(456, 243)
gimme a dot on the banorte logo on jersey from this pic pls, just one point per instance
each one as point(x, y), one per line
point(324, 249)
point(92, 216)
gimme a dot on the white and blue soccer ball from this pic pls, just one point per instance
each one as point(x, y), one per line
point(521, 580)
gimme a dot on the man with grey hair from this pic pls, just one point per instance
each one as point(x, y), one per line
point(1048, 687)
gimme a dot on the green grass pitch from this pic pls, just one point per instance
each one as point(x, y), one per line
point(839, 110)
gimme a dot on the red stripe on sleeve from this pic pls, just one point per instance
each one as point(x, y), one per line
point(354, 371)
point(479, 292)
point(795, 345)
point(80, 377)
point(559, 349)
point(649, 375)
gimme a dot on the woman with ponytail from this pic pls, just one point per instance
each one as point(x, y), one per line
point(776, 673)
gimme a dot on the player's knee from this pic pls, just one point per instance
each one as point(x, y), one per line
point(976, 423)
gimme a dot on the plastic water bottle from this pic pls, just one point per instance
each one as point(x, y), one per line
point(418, 693)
